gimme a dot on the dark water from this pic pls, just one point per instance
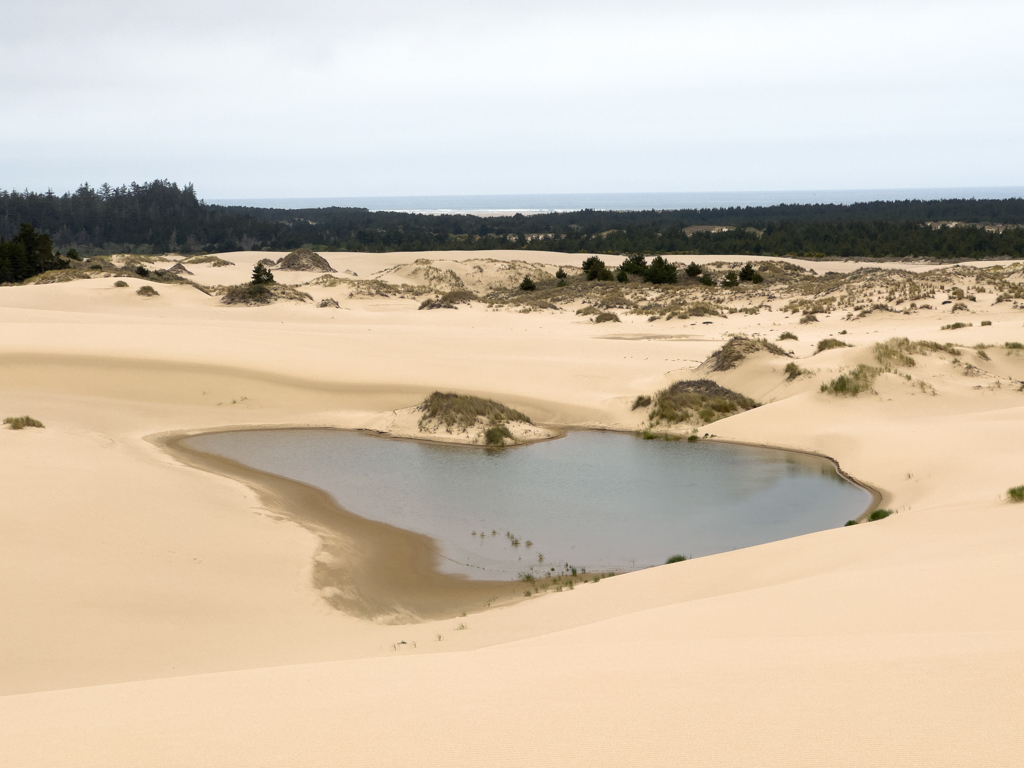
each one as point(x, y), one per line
point(603, 501)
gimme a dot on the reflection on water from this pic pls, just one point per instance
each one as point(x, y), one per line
point(599, 500)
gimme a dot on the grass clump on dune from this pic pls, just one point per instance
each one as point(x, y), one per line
point(826, 344)
point(1016, 494)
point(703, 398)
point(737, 348)
point(20, 422)
point(462, 411)
point(607, 317)
point(852, 383)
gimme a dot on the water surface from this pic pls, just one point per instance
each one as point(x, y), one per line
point(599, 500)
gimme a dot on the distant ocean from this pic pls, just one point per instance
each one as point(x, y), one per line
point(498, 205)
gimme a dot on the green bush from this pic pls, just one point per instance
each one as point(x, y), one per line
point(497, 435)
point(595, 269)
point(147, 290)
point(120, 284)
point(675, 559)
point(788, 335)
point(20, 422)
point(793, 371)
point(674, 405)
point(708, 280)
point(561, 274)
point(849, 522)
point(661, 272)
point(527, 284)
point(879, 514)
point(1016, 494)
point(607, 317)
point(955, 326)
point(693, 269)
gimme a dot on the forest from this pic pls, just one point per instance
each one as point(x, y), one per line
point(160, 216)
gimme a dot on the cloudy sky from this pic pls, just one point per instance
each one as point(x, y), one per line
point(313, 98)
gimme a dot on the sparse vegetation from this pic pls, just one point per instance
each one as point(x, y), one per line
point(788, 336)
point(642, 401)
point(879, 514)
point(675, 559)
point(955, 326)
point(1016, 494)
point(147, 290)
point(120, 284)
point(20, 422)
point(607, 317)
point(497, 435)
point(852, 383)
point(826, 344)
point(737, 348)
point(794, 371)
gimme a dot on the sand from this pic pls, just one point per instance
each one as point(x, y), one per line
point(158, 613)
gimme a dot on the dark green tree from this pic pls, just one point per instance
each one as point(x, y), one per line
point(661, 271)
point(261, 275)
point(527, 284)
point(693, 269)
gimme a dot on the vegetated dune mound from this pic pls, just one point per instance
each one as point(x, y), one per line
point(257, 294)
point(305, 260)
point(179, 269)
point(699, 401)
point(736, 349)
point(478, 275)
point(476, 420)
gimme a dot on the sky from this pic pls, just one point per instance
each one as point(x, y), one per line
point(319, 99)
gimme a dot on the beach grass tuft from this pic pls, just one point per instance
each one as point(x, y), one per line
point(852, 383)
point(20, 422)
point(1016, 494)
point(736, 349)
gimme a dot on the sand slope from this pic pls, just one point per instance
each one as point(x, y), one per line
point(155, 614)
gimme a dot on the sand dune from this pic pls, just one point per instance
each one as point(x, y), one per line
point(158, 614)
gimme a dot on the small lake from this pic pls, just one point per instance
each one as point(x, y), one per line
point(603, 501)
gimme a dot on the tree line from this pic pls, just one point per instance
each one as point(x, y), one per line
point(160, 216)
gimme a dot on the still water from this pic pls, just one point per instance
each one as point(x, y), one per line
point(599, 500)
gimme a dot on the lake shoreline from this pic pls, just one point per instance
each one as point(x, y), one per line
point(395, 577)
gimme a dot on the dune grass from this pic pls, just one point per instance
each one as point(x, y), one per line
point(826, 344)
point(20, 422)
point(703, 398)
point(1016, 494)
point(463, 411)
point(736, 349)
point(852, 383)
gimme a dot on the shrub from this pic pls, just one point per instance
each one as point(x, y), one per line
point(1015, 494)
point(561, 274)
point(826, 344)
point(675, 559)
point(621, 276)
point(595, 269)
point(147, 290)
point(660, 272)
point(607, 317)
point(527, 284)
point(693, 269)
point(708, 280)
point(642, 401)
point(879, 514)
point(852, 383)
point(749, 274)
point(20, 422)
point(261, 275)
point(141, 271)
point(731, 280)
point(955, 326)
point(809, 317)
point(692, 439)
point(849, 522)
point(786, 335)
point(634, 264)
point(120, 284)
point(1013, 345)
point(986, 322)
point(497, 435)
point(590, 309)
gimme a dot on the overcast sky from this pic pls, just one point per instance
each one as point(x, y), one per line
point(308, 98)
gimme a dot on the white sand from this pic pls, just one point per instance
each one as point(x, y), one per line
point(157, 615)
